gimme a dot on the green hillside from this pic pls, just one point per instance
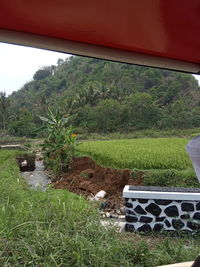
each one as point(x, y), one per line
point(106, 96)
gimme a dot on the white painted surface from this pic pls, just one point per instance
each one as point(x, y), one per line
point(159, 195)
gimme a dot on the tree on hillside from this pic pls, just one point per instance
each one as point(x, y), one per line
point(107, 96)
point(141, 111)
point(108, 116)
point(43, 73)
point(4, 103)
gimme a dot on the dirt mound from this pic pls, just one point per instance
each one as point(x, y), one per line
point(88, 178)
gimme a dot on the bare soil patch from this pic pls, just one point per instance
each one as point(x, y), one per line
point(88, 178)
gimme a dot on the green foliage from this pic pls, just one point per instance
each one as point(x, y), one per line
point(141, 111)
point(42, 73)
point(156, 162)
point(171, 178)
point(59, 146)
point(4, 105)
point(140, 97)
point(58, 228)
point(108, 116)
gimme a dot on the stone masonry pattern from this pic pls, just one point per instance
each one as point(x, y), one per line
point(145, 215)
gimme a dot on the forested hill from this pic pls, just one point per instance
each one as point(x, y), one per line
point(107, 97)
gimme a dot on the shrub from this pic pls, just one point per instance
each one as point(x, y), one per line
point(171, 178)
point(59, 146)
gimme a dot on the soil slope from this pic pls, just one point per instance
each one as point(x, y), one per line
point(88, 178)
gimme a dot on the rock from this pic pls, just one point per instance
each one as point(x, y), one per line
point(130, 212)
point(158, 227)
point(107, 215)
point(24, 163)
point(101, 194)
point(142, 200)
point(153, 209)
point(114, 216)
point(140, 210)
point(193, 225)
point(187, 207)
point(145, 219)
point(118, 212)
point(163, 202)
point(172, 211)
point(128, 204)
point(160, 219)
point(129, 227)
point(122, 210)
point(185, 217)
point(196, 216)
point(131, 218)
point(144, 228)
point(177, 224)
point(198, 206)
point(39, 156)
point(168, 224)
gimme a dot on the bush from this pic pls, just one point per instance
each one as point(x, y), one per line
point(171, 178)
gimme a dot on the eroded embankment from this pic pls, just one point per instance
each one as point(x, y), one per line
point(88, 178)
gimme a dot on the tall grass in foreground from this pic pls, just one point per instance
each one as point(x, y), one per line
point(57, 228)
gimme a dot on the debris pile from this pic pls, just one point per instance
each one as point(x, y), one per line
point(96, 183)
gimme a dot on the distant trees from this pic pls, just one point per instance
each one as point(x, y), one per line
point(4, 104)
point(43, 73)
point(141, 111)
point(107, 96)
point(23, 124)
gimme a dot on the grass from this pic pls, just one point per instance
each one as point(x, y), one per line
point(7, 139)
point(149, 153)
point(146, 133)
point(58, 228)
point(171, 178)
point(53, 228)
point(163, 161)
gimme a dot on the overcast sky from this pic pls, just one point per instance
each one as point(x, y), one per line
point(18, 65)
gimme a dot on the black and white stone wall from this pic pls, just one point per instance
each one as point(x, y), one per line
point(143, 214)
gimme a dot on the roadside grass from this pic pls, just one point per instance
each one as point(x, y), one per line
point(58, 228)
point(52, 228)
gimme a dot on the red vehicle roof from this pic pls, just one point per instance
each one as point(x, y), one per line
point(163, 33)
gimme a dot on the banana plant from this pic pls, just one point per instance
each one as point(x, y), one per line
point(59, 146)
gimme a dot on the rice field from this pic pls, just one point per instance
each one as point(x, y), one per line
point(148, 153)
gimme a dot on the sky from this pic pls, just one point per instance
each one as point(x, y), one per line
point(19, 63)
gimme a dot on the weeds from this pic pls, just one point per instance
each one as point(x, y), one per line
point(58, 228)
